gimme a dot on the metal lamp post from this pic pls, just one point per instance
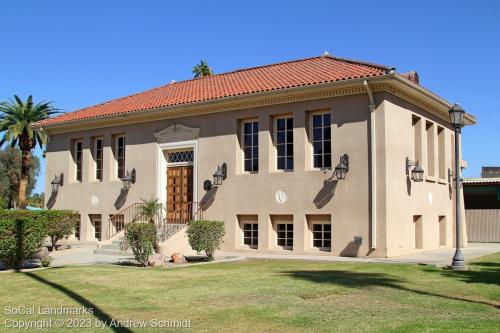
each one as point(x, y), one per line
point(457, 122)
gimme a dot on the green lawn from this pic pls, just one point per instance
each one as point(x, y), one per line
point(269, 296)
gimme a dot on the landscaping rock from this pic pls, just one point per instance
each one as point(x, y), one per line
point(42, 253)
point(156, 260)
point(63, 247)
point(178, 258)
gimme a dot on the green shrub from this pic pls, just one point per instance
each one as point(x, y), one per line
point(59, 223)
point(205, 236)
point(20, 238)
point(141, 237)
point(46, 261)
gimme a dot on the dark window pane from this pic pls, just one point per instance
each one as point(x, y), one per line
point(317, 134)
point(317, 227)
point(328, 147)
point(255, 226)
point(289, 226)
point(255, 125)
point(255, 234)
point(289, 149)
point(280, 137)
point(328, 161)
point(281, 242)
point(327, 227)
point(326, 119)
point(289, 242)
point(317, 235)
point(327, 132)
point(289, 136)
point(255, 139)
point(248, 128)
point(247, 140)
point(256, 241)
point(248, 152)
point(281, 163)
point(289, 123)
point(289, 163)
point(255, 164)
point(318, 147)
point(281, 150)
point(327, 235)
point(247, 241)
point(289, 234)
point(281, 227)
point(255, 152)
point(246, 226)
point(280, 124)
point(248, 165)
point(247, 233)
point(318, 159)
point(327, 243)
point(317, 243)
point(317, 121)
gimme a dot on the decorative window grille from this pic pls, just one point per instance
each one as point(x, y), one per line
point(180, 156)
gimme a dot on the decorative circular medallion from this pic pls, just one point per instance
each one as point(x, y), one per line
point(94, 200)
point(281, 196)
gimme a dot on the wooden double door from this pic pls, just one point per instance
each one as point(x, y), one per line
point(179, 193)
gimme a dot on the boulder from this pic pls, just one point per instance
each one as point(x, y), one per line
point(178, 258)
point(156, 260)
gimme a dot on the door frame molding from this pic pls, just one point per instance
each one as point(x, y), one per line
point(163, 148)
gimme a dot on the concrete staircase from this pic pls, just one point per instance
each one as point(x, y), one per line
point(115, 247)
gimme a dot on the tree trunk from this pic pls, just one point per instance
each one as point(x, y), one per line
point(23, 182)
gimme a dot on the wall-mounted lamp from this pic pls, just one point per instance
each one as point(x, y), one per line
point(129, 179)
point(343, 167)
point(219, 176)
point(451, 177)
point(417, 173)
point(57, 182)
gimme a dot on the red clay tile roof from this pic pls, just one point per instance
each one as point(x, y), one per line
point(278, 76)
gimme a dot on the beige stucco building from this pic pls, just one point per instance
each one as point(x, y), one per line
point(281, 130)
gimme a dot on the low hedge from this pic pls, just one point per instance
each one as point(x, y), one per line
point(22, 232)
point(205, 236)
point(20, 238)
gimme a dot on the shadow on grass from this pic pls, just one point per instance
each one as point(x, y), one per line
point(99, 313)
point(358, 280)
point(487, 272)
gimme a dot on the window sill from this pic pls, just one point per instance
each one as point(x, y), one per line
point(248, 247)
point(321, 249)
point(442, 181)
point(430, 179)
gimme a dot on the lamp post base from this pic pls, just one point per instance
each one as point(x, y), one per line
point(458, 263)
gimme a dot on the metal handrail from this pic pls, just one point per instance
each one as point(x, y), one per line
point(131, 214)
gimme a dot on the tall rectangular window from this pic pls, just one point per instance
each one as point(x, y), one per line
point(96, 222)
point(78, 159)
point(98, 158)
point(120, 156)
point(321, 140)
point(417, 139)
point(429, 127)
point(441, 153)
point(284, 143)
point(250, 142)
point(322, 235)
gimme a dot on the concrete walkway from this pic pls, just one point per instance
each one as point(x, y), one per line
point(440, 257)
point(84, 255)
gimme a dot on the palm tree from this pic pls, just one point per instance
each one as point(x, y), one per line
point(149, 209)
point(202, 69)
point(16, 122)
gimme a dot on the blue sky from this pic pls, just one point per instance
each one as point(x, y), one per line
point(81, 53)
